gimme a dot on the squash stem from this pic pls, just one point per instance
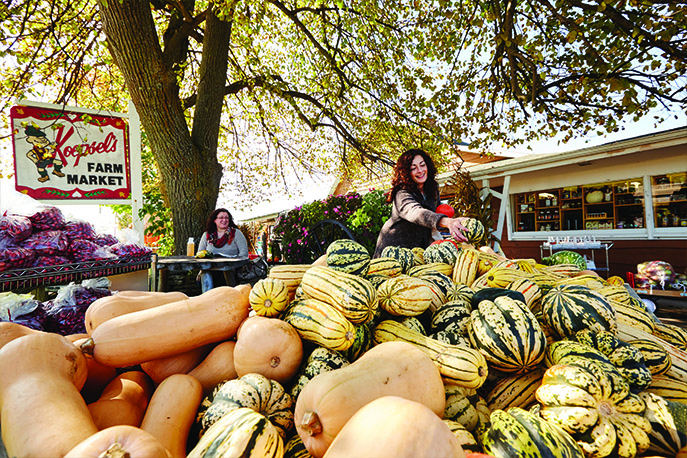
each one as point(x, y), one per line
point(87, 347)
point(275, 361)
point(115, 451)
point(311, 423)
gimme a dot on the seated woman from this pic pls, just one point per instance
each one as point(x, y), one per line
point(415, 197)
point(221, 237)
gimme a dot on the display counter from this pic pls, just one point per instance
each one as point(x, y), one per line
point(35, 277)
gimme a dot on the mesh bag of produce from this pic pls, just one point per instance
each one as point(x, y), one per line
point(47, 218)
point(15, 228)
point(46, 261)
point(125, 250)
point(47, 243)
point(15, 257)
point(21, 309)
point(86, 250)
point(65, 314)
point(105, 239)
point(79, 230)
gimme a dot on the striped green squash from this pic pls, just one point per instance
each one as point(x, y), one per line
point(569, 351)
point(440, 267)
point(348, 256)
point(668, 424)
point(458, 365)
point(626, 358)
point(668, 387)
point(413, 323)
point(240, 433)
point(465, 406)
point(515, 391)
point(631, 315)
point(385, 267)
point(465, 438)
point(418, 255)
point(571, 308)
point(530, 291)
point(674, 335)
point(353, 296)
point(254, 391)
point(474, 231)
point(321, 323)
point(295, 448)
point(593, 403)
point(404, 296)
point(620, 294)
point(459, 292)
point(454, 316)
point(656, 358)
point(451, 338)
point(517, 433)
point(445, 251)
point(269, 297)
point(403, 255)
point(320, 360)
point(361, 343)
point(507, 333)
point(441, 280)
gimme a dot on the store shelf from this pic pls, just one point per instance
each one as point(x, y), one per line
point(35, 277)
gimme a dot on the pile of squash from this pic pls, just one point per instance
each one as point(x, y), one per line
point(445, 352)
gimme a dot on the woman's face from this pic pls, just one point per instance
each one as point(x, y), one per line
point(222, 221)
point(418, 171)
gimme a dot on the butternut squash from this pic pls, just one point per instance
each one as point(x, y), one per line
point(124, 401)
point(330, 399)
point(98, 375)
point(160, 369)
point(217, 367)
point(393, 427)
point(119, 442)
point(124, 302)
point(169, 329)
point(10, 331)
point(268, 346)
point(172, 411)
point(42, 412)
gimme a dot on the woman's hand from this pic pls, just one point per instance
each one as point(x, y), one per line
point(455, 227)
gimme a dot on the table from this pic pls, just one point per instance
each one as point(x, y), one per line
point(669, 304)
point(166, 264)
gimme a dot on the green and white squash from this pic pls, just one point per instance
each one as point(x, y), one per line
point(242, 432)
point(668, 424)
point(405, 296)
point(507, 333)
point(348, 256)
point(571, 308)
point(320, 360)
point(322, 324)
point(403, 255)
point(453, 316)
point(253, 391)
point(445, 251)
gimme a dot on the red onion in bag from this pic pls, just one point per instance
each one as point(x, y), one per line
point(47, 243)
point(15, 227)
point(49, 218)
point(124, 250)
point(44, 261)
point(85, 250)
point(15, 257)
point(79, 230)
point(65, 314)
point(105, 239)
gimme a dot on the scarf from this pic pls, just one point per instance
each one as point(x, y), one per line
point(227, 238)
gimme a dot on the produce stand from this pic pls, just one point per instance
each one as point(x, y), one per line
point(581, 246)
point(35, 277)
point(671, 306)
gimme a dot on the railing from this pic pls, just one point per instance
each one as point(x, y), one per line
point(34, 277)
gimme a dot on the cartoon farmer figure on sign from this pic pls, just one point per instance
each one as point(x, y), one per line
point(42, 154)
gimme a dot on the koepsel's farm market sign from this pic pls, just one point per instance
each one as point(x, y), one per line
point(66, 155)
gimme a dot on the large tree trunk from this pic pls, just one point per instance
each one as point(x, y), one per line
point(189, 169)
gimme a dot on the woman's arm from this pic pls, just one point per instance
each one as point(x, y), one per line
point(455, 227)
point(241, 244)
point(203, 244)
point(410, 209)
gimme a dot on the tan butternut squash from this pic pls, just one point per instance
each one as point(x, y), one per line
point(330, 399)
point(124, 302)
point(124, 401)
point(160, 369)
point(169, 329)
point(172, 411)
point(10, 331)
point(393, 427)
point(217, 367)
point(268, 346)
point(119, 442)
point(42, 412)
point(98, 375)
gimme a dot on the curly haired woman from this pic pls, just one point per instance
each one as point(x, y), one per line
point(415, 197)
